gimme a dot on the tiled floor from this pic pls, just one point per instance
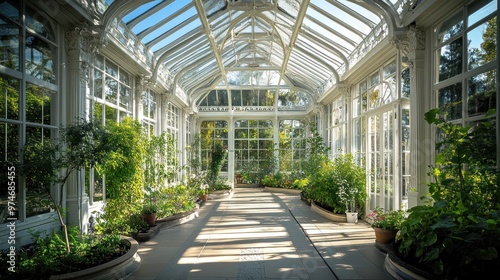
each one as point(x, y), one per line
point(256, 234)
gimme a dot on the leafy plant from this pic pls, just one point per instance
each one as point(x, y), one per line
point(48, 255)
point(339, 185)
point(149, 208)
point(457, 237)
point(123, 168)
point(218, 158)
point(391, 219)
point(82, 144)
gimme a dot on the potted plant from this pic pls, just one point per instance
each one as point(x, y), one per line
point(148, 213)
point(203, 192)
point(347, 195)
point(239, 178)
point(386, 224)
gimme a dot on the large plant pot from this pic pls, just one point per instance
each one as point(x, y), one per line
point(119, 268)
point(204, 197)
point(352, 217)
point(150, 219)
point(384, 236)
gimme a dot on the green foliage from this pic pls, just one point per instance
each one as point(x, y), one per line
point(286, 180)
point(316, 154)
point(123, 168)
point(458, 237)
point(218, 158)
point(193, 153)
point(160, 160)
point(149, 208)
point(82, 145)
point(221, 184)
point(339, 185)
point(176, 199)
point(48, 255)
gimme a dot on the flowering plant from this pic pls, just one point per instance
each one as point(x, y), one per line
point(203, 189)
point(391, 219)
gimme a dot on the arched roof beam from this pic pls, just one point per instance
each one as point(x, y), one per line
point(209, 34)
point(118, 9)
point(244, 16)
point(326, 43)
point(171, 31)
point(342, 36)
point(192, 35)
point(162, 22)
point(384, 9)
point(298, 24)
point(133, 22)
point(352, 13)
point(320, 61)
point(337, 20)
point(202, 60)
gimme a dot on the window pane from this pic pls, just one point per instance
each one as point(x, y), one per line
point(450, 28)
point(110, 113)
point(450, 60)
point(405, 83)
point(111, 90)
point(111, 69)
point(450, 99)
point(98, 84)
point(38, 100)
point(9, 45)
point(39, 57)
point(478, 10)
point(10, 9)
point(37, 198)
point(9, 98)
point(481, 93)
point(124, 97)
point(482, 44)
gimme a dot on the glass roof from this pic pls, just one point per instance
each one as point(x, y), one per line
point(303, 45)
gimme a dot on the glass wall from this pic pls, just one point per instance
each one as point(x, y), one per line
point(211, 131)
point(28, 101)
point(253, 145)
point(465, 55)
point(292, 144)
point(112, 96)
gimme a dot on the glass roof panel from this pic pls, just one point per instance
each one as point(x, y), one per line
point(213, 6)
point(197, 41)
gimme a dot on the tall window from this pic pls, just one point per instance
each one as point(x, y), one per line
point(465, 51)
point(112, 96)
point(338, 126)
point(172, 119)
point(210, 132)
point(292, 145)
point(149, 112)
point(28, 97)
point(253, 145)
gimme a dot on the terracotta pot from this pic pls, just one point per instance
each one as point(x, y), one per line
point(239, 179)
point(150, 219)
point(384, 235)
point(204, 197)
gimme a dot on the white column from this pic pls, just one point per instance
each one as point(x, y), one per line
point(81, 45)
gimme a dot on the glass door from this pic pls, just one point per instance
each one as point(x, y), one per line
point(380, 160)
